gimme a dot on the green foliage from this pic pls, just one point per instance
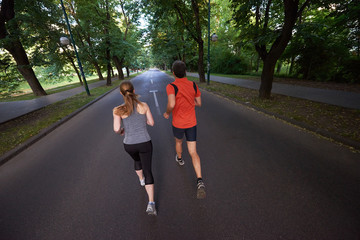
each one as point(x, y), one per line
point(173, 31)
point(321, 48)
point(325, 44)
point(223, 61)
point(349, 71)
point(10, 77)
point(169, 41)
point(40, 24)
point(268, 27)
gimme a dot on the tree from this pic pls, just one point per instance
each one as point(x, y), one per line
point(192, 14)
point(86, 30)
point(107, 42)
point(10, 40)
point(347, 13)
point(9, 75)
point(230, 54)
point(124, 45)
point(323, 46)
point(269, 24)
point(169, 41)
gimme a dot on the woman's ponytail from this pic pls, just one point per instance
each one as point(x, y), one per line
point(130, 98)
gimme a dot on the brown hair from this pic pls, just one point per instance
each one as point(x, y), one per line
point(179, 69)
point(130, 98)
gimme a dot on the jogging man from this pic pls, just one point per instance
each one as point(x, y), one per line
point(183, 96)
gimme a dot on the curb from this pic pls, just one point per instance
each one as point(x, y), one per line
point(318, 131)
point(12, 153)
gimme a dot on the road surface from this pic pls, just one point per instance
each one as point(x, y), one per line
point(265, 179)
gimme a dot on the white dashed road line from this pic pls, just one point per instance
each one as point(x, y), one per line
point(156, 101)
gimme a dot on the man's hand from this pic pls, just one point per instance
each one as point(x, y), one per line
point(170, 105)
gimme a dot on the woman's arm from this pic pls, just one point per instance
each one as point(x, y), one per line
point(149, 117)
point(117, 124)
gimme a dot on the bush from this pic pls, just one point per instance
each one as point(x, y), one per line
point(10, 78)
point(227, 63)
point(350, 71)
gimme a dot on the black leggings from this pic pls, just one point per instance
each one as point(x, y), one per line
point(142, 155)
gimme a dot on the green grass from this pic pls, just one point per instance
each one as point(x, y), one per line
point(21, 129)
point(24, 86)
point(50, 89)
point(339, 121)
point(249, 77)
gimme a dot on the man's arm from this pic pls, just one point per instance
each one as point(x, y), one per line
point(198, 101)
point(170, 105)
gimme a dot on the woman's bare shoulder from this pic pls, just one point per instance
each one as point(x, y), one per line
point(143, 107)
point(144, 104)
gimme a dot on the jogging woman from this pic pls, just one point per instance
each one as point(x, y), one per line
point(137, 142)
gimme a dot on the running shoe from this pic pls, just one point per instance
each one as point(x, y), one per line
point(151, 210)
point(142, 182)
point(179, 161)
point(200, 194)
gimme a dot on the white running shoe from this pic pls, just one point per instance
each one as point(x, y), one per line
point(151, 209)
point(179, 161)
point(142, 182)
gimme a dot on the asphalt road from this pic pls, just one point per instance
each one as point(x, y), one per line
point(265, 179)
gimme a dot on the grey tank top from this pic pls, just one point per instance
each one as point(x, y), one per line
point(135, 128)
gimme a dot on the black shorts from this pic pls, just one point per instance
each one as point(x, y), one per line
point(190, 133)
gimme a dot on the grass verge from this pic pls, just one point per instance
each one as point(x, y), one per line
point(29, 96)
point(17, 131)
point(335, 120)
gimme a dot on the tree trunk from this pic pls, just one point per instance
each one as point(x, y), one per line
point(106, 30)
point(277, 48)
point(98, 70)
point(108, 77)
point(201, 62)
point(119, 66)
point(76, 70)
point(308, 71)
point(278, 68)
point(199, 40)
point(267, 77)
point(23, 65)
point(291, 65)
point(16, 49)
point(68, 56)
point(257, 64)
point(127, 72)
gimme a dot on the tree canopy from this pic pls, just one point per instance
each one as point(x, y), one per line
point(105, 33)
point(316, 40)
